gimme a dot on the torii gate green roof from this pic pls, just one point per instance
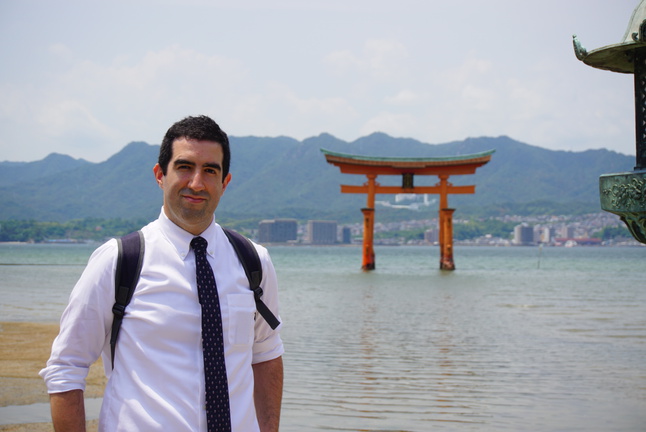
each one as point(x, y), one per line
point(457, 158)
point(449, 165)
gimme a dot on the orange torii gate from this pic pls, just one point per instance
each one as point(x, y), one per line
point(443, 167)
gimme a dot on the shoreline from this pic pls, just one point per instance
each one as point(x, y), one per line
point(24, 350)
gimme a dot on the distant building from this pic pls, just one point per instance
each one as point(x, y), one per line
point(567, 231)
point(544, 234)
point(346, 235)
point(432, 236)
point(321, 232)
point(277, 230)
point(523, 235)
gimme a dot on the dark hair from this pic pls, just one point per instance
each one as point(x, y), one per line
point(199, 128)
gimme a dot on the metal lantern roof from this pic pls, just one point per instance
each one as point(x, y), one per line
point(618, 57)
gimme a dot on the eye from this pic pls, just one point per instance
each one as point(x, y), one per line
point(212, 170)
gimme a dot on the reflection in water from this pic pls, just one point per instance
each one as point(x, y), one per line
point(414, 349)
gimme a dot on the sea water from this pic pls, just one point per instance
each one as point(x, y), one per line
point(515, 339)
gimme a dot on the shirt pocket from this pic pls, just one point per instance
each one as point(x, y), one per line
point(242, 309)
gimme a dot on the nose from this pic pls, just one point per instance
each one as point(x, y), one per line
point(197, 181)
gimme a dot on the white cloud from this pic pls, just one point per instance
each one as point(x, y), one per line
point(67, 116)
point(386, 58)
point(342, 62)
point(173, 73)
point(528, 99)
point(269, 106)
point(396, 124)
point(471, 70)
point(479, 98)
point(403, 97)
point(380, 59)
point(61, 50)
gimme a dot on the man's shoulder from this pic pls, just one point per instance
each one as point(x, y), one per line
point(262, 251)
point(108, 249)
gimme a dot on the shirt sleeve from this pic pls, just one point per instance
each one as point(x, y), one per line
point(85, 324)
point(267, 342)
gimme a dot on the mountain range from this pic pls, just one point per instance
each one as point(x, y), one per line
point(283, 177)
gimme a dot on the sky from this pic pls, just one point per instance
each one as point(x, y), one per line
point(85, 78)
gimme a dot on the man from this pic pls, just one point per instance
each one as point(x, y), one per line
point(158, 378)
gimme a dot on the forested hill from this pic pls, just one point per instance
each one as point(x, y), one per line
point(283, 177)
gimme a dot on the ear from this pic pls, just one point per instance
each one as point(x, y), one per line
point(226, 181)
point(159, 175)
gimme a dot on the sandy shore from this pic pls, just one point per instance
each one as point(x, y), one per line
point(24, 350)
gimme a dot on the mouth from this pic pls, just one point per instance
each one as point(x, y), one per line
point(194, 198)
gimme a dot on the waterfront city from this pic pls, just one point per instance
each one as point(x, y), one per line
point(549, 230)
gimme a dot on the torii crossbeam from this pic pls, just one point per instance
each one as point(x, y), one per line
point(408, 168)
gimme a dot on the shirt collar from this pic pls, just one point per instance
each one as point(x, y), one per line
point(181, 239)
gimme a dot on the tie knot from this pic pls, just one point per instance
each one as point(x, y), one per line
point(199, 244)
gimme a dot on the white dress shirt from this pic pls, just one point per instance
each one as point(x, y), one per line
point(158, 378)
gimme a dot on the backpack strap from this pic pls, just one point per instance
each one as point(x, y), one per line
point(250, 261)
point(129, 261)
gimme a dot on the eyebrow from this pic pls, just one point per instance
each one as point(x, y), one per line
point(191, 163)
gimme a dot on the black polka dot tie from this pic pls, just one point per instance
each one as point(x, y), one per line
point(218, 414)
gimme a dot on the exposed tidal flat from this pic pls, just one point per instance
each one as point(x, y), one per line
point(516, 339)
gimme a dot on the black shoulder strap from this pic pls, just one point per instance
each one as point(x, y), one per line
point(250, 261)
point(129, 260)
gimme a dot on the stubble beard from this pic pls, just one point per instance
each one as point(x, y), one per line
point(195, 214)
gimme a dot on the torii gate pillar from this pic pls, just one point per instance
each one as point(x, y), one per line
point(446, 239)
point(446, 226)
point(368, 262)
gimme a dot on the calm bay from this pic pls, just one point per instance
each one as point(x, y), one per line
point(517, 338)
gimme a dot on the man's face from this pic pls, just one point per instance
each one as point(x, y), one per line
point(193, 183)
